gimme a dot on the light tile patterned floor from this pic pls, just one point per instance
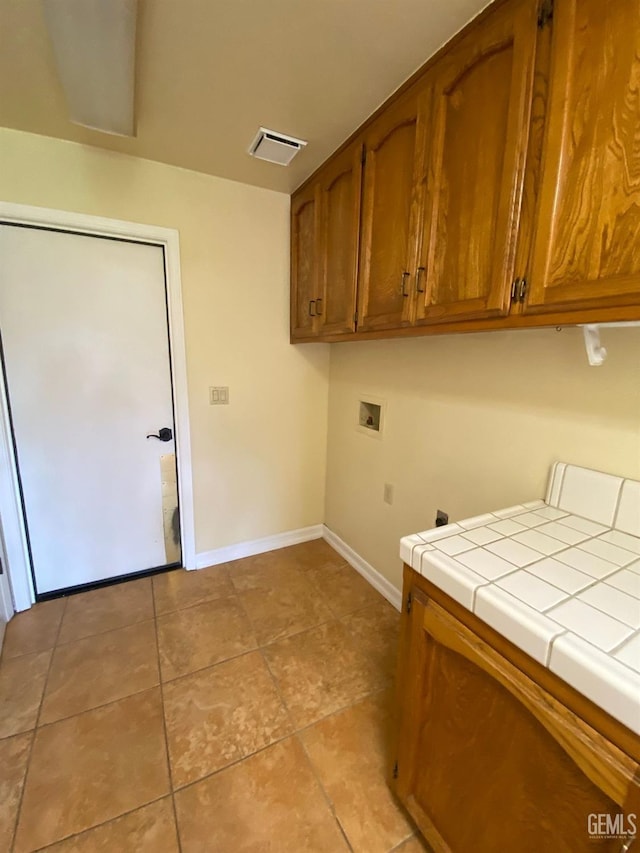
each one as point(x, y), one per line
point(240, 709)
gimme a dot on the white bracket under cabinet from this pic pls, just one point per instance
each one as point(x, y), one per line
point(596, 353)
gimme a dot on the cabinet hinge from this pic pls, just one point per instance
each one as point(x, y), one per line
point(546, 13)
point(395, 770)
point(409, 603)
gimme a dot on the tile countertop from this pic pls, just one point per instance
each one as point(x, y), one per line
point(559, 578)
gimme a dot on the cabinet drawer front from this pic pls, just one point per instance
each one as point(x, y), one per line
point(586, 250)
point(489, 761)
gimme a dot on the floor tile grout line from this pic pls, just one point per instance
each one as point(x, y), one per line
point(276, 684)
point(335, 619)
point(325, 793)
point(59, 645)
point(98, 825)
point(99, 707)
point(35, 730)
point(282, 739)
point(164, 725)
point(3, 651)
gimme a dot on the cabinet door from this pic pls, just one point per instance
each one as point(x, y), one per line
point(487, 760)
point(480, 126)
point(305, 261)
point(389, 216)
point(586, 248)
point(340, 189)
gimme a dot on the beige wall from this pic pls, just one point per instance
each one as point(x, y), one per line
point(258, 464)
point(473, 424)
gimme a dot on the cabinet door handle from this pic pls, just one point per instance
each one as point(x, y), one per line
point(627, 845)
point(318, 304)
point(419, 273)
point(312, 313)
point(403, 288)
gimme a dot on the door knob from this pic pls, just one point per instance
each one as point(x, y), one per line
point(164, 434)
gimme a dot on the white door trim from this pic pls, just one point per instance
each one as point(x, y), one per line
point(10, 503)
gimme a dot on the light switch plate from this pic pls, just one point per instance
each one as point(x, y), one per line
point(219, 395)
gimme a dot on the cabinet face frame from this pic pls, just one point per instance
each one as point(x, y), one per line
point(406, 112)
point(558, 290)
point(304, 321)
point(510, 25)
point(348, 163)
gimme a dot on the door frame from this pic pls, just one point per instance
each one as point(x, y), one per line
point(11, 510)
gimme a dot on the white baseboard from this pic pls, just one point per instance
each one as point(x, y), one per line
point(377, 580)
point(259, 546)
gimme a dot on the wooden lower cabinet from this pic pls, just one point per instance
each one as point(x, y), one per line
point(487, 760)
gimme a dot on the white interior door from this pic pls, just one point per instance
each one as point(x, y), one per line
point(84, 332)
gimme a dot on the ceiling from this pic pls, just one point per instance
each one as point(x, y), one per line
point(210, 72)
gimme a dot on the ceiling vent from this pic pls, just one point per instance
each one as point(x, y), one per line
point(275, 147)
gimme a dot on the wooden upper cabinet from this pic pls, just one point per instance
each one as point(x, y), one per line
point(587, 242)
point(340, 189)
point(305, 261)
point(479, 131)
point(389, 216)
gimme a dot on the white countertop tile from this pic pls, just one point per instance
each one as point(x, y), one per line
point(563, 588)
point(481, 535)
point(550, 513)
point(485, 564)
point(477, 521)
point(407, 545)
point(629, 652)
point(593, 625)
point(537, 504)
point(440, 532)
point(454, 545)
point(611, 553)
point(585, 562)
point(449, 576)
point(514, 552)
point(522, 625)
point(509, 511)
point(626, 580)
point(623, 540)
point(613, 686)
point(507, 527)
point(560, 531)
point(591, 528)
point(590, 494)
point(625, 608)
point(531, 590)
point(568, 579)
point(530, 519)
point(546, 545)
point(628, 515)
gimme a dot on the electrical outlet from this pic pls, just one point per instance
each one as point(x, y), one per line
point(387, 495)
point(442, 518)
point(219, 395)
